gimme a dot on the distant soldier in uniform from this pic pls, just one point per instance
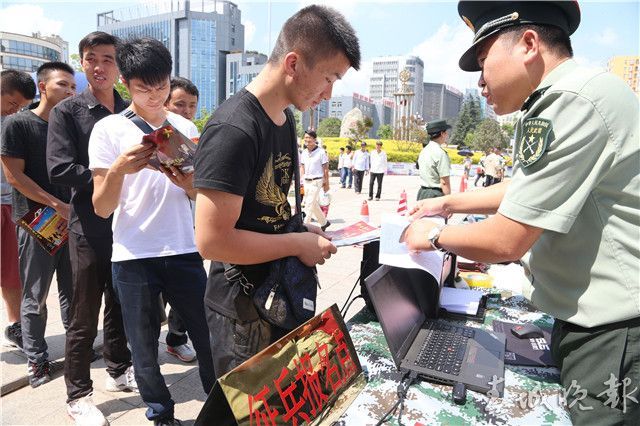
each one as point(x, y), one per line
point(433, 162)
point(572, 205)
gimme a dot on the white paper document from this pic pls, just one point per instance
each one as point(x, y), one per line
point(393, 252)
point(460, 301)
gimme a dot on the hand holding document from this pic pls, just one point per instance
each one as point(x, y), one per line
point(394, 252)
point(172, 149)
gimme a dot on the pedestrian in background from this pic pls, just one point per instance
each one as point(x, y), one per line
point(433, 161)
point(360, 167)
point(378, 169)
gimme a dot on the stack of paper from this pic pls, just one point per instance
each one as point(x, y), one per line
point(460, 301)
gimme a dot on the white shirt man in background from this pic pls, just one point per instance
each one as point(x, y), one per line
point(361, 165)
point(378, 169)
point(314, 168)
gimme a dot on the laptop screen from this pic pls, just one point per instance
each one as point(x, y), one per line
point(397, 307)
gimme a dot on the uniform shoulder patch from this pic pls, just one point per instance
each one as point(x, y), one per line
point(534, 140)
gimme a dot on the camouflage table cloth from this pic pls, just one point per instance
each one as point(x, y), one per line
point(532, 396)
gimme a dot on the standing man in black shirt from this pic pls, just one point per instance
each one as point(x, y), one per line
point(24, 140)
point(244, 169)
point(90, 236)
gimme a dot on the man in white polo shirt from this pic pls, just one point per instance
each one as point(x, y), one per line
point(314, 168)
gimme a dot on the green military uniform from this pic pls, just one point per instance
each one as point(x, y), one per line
point(433, 163)
point(576, 177)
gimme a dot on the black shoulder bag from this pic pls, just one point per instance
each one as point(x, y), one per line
point(287, 297)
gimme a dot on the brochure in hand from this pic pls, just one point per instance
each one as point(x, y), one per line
point(359, 232)
point(47, 227)
point(173, 149)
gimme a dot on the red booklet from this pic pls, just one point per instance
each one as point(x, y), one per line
point(359, 232)
point(173, 149)
point(47, 227)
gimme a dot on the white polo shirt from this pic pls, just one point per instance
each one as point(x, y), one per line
point(313, 162)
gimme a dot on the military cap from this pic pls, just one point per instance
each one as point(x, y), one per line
point(437, 126)
point(487, 18)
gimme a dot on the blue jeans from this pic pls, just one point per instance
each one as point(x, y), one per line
point(345, 173)
point(138, 283)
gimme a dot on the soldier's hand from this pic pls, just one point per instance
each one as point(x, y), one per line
point(429, 207)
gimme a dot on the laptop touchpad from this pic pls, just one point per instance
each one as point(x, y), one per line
point(487, 358)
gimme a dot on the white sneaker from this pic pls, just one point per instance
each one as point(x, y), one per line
point(183, 352)
point(124, 382)
point(85, 412)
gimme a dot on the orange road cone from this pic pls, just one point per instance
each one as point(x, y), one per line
point(364, 211)
point(402, 206)
point(463, 183)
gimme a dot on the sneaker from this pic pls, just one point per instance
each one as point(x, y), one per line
point(167, 422)
point(325, 226)
point(13, 335)
point(183, 352)
point(39, 373)
point(370, 198)
point(85, 412)
point(125, 382)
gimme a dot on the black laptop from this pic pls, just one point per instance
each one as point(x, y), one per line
point(406, 303)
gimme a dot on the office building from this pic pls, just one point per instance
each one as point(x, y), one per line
point(440, 102)
point(626, 67)
point(26, 53)
point(198, 34)
point(384, 80)
point(242, 67)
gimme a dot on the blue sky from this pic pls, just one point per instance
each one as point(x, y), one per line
point(431, 30)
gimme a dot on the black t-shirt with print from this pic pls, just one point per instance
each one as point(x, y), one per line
point(24, 135)
point(241, 151)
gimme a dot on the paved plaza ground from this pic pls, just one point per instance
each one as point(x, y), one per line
point(45, 405)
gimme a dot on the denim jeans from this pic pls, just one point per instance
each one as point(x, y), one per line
point(346, 174)
point(138, 283)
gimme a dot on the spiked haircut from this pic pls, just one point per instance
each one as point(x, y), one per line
point(317, 32)
point(47, 68)
point(144, 58)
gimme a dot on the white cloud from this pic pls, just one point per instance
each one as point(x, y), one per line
point(347, 7)
point(594, 65)
point(607, 37)
point(13, 19)
point(440, 54)
point(249, 31)
point(354, 81)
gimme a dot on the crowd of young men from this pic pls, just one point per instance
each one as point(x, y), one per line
point(131, 229)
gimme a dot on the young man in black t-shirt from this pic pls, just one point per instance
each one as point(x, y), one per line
point(24, 141)
point(244, 169)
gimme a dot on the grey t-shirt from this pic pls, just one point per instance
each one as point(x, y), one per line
point(24, 136)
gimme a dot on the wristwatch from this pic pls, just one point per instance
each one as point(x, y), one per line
point(433, 236)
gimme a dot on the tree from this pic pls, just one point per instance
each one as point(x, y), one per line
point(360, 131)
point(204, 117)
point(508, 129)
point(75, 63)
point(468, 120)
point(122, 90)
point(298, 117)
point(385, 131)
point(329, 127)
point(488, 134)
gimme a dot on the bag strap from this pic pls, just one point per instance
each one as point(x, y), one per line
point(296, 166)
point(138, 121)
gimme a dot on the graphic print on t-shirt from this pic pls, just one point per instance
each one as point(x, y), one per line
point(270, 194)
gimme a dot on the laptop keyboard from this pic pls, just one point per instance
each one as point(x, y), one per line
point(444, 347)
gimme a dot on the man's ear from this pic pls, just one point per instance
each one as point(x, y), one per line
point(291, 62)
point(42, 88)
point(530, 45)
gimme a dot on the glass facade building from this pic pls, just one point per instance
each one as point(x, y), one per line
point(26, 53)
point(198, 35)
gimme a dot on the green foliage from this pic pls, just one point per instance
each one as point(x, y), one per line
point(385, 131)
point(508, 129)
point(360, 130)
point(468, 120)
point(122, 90)
point(488, 135)
point(204, 117)
point(329, 127)
point(74, 62)
point(298, 116)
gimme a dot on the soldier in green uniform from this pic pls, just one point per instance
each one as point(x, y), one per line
point(433, 162)
point(571, 210)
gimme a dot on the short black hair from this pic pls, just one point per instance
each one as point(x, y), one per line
point(97, 38)
point(184, 84)
point(17, 81)
point(311, 133)
point(342, 148)
point(45, 69)
point(436, 135)
point(317, 32)
point(144, 58)
point(554, 37)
